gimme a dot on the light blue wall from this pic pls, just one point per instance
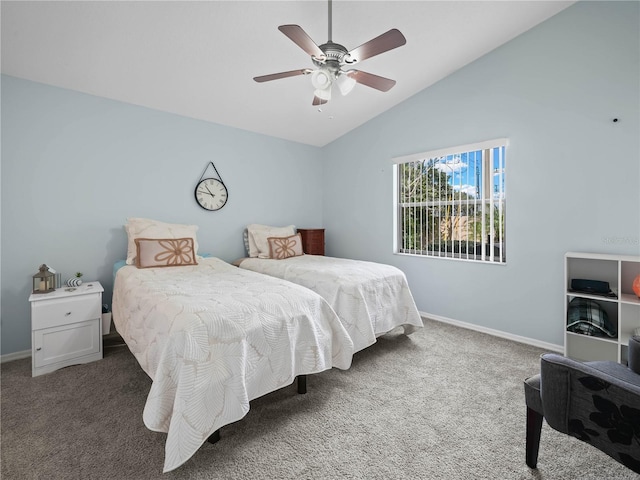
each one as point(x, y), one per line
point(573, 176)
point(74, 167)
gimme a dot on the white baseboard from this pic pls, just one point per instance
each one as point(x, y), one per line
point(15, 356)
point(496, 333)
point(470, 326)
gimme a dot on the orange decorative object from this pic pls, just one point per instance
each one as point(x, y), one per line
point(636, 286)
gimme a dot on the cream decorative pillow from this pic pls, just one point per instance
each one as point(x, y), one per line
point(285, 247)
point(164, 252)
point(258, 235)
point(147, 228)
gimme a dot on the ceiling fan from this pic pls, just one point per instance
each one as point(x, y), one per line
point(330, 58)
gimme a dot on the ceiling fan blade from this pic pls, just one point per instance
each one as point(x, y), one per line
point(383, 43)
point(318, 101)
point(304, 41)
point(276, 76)
point(370, 80)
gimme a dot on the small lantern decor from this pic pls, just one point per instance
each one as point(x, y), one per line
point(44, 280)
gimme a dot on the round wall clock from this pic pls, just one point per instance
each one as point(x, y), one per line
point(211, 194)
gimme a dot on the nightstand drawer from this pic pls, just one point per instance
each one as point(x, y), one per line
point(63, 311)
point(314, 246)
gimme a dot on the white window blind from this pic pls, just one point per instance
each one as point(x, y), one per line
point(451, 203)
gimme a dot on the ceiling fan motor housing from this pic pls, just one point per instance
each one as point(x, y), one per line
point(336, 55)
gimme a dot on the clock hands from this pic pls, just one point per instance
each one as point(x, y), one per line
point(208, 192)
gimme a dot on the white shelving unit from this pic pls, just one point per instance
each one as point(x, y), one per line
point(623, 311)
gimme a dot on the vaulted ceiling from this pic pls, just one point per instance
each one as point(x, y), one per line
point(198, 59)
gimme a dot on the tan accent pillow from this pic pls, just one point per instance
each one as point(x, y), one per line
point(164, 252)
point(285, 247)
point(258, 235)
point(147, 228)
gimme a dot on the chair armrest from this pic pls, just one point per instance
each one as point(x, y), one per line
point(563, 378)
point(634, 354)
point(596, 402)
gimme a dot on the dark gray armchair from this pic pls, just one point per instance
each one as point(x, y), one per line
point(596, 402)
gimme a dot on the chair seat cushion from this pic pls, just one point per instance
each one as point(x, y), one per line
point(532, 393)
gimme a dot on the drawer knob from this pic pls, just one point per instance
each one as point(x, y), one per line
point(38, 349)
point(67, 314)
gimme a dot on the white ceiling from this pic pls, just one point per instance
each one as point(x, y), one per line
point(198, 59)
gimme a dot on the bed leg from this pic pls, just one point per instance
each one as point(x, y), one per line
point(302, 384)
point(214, 437)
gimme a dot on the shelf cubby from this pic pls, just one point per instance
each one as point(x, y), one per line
point(623, 310)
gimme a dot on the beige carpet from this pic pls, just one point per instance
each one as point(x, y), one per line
point(444, 403)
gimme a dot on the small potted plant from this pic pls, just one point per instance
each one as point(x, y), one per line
point(75, 281)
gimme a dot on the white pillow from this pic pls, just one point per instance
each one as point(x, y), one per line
point(147, 228)
point(258, 235)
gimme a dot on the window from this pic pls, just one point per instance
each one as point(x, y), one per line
point(451, 203)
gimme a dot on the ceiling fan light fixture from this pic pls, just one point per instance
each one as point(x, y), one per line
point(321, 79)
point(345, 83)
point(323, 93)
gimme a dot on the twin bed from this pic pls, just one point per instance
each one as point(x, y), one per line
point(371, 299)
point(213, 337)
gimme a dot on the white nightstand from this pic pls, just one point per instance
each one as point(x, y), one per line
point(66, 327)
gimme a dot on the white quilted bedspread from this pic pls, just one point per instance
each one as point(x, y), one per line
point(370, 298)
point(212, 337)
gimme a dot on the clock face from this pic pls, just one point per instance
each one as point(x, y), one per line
point(211, 194)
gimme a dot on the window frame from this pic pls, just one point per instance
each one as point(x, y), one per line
point(487, 198)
